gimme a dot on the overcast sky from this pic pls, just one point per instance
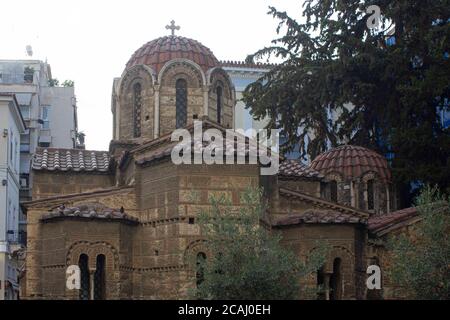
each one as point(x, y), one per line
point(91, 41)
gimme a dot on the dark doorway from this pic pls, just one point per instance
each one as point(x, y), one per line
point(321, 294)
point(200, 275)
point(336, 281)
point(83, 263)
point(99, 279)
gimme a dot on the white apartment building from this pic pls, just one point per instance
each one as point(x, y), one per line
point(12, 126)
point(241, 75)
point(49, 111)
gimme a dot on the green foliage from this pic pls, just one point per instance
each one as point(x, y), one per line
point(68, 83)
point(421, 264)
point(245, 260)
point(28, 74)
point(53, 82)
point(331, 59)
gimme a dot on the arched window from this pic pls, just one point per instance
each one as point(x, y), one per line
point(137, 109)
point(85, 289)
point(99, 278)
point(181, 103)
point(200, 275)
point(370, 195)
point(335, 281)
point(321, 294)
point(333, 191)
point(219, 96)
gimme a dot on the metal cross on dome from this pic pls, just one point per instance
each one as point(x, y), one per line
point(172, 27)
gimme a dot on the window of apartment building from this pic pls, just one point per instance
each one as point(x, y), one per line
point(25, 142)
point(11, 147)
point(46, 117)
point(25, 110)
point(28, 73)
point(16, 154)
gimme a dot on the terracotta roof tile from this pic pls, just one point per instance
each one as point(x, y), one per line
point(318, 216)
point(381, 222)
point(326, 212)
point(158, 52)
point(52, 159)
point(352, 162)
point(294, 169)
point(162, 147)
point(90, 211)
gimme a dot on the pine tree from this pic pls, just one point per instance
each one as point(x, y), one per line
point(331, 59)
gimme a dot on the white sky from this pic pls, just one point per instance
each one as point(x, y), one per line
point(91, 41)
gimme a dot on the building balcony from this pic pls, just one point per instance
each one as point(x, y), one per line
point(16, 238)
point(16, 78)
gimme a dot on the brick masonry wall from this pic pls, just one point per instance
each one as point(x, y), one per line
point(48, 184)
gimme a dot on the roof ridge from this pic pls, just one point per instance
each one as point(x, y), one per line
point(75, 195)
point(325, 202)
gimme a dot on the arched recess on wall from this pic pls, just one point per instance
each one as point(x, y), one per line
point(218, 74)
point(332, 186)
point(100, 262)
point(182, 68)
point(335, 272)
point(92, 249)
point(193, 249)
point(370, 181)
point(132, 108)
point(146, 73)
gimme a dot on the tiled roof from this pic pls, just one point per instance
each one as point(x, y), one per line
point(90, 211)
point(158, 52)
point(52, 159)
point(243, 64)
point(380, 223)
point(163, 146)
point(319, 216)
point(324, 211)
point(352, 162)
point(295, 169)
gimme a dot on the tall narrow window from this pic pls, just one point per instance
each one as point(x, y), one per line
point(46, 117)
point(181, 103)
point(85, 289)
point(99, 278)
point(370, 195)
point(333, 191)
point(321, 294)
point(219, 93)
point(335, 281)
point(137, 109)
point(200, 275)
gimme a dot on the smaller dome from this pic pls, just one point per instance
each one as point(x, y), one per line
point(158, 52)
point(352, 162)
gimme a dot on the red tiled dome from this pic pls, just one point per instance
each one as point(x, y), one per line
point(159, 51)
point(352, 162)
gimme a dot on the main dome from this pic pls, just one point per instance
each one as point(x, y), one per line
point(158, 52)
point(352, 162)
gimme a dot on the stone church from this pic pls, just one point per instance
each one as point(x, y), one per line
point(126, 216)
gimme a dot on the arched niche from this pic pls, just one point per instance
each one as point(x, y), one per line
point(172, 73)
point(127, 116)
point(221, 97)
point(101, 261)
